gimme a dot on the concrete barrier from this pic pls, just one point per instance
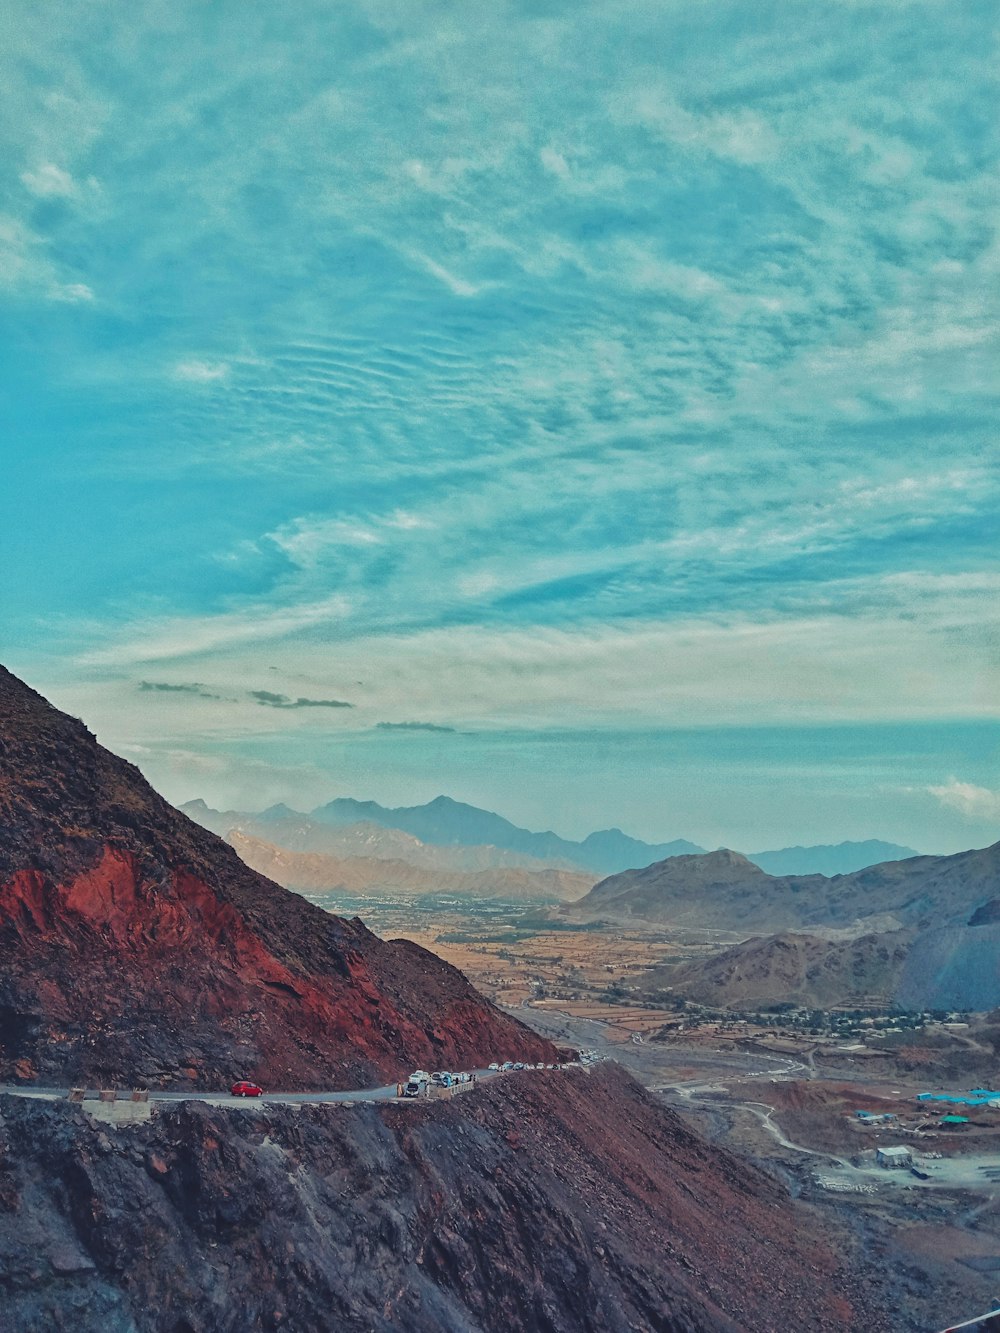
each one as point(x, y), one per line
point(118, 1113)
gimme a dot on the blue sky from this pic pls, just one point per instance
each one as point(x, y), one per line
point(611, 387)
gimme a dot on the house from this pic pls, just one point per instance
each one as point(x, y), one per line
point(896, 1158)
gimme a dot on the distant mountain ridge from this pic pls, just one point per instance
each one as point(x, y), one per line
point(840, 859)
point(314, 872)
point(727, 890)
point(446, 823)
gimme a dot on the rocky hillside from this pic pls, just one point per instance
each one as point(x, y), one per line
point(566, 1203)
point(717, 888)
point(803, 969)
point(312, 872)
point(137, 947)
point(725, 890)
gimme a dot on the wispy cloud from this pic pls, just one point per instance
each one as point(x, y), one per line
point(201, 372)
point(664, 335)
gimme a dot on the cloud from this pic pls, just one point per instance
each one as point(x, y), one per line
point(72, 292)
point(979, 804)
point(49, 181)
point(175, 637)
point(412, 726)
point(166, 688)
point(270, 700)
point(201, 372)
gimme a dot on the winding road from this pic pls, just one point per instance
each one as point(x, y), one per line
point(221, 1098)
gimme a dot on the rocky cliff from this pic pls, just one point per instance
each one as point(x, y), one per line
point(135, 946)
point(562, 1203)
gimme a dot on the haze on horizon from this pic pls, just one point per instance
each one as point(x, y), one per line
point(584, 410)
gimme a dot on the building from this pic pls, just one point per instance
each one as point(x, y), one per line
point(896, 1158)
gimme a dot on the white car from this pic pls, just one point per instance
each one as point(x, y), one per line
point(494, 1068)
point(420, 1076)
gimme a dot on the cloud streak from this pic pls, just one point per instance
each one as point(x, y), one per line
point(270, 700)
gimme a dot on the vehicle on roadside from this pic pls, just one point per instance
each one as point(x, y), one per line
point(420, 1076)
point(244, 1089)
point(507, 1064)
point(438, 1077)
point(518, 1064)
point(412, 1088)
point(494, 1068)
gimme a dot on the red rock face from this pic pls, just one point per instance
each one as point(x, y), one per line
point(136, 947)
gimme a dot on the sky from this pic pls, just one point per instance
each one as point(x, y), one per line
point(586, 409)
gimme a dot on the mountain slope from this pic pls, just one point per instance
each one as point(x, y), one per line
point(136, 946)
point(566, 1203)
point(812, 972)
point(725, 890)
point(313, 873)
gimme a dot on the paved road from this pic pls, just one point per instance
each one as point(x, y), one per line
point(222, 1098)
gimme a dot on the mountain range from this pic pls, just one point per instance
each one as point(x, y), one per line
point(489, 839)
point(726, 890)
point(926, 930)
point(136, 947)
point(312, 872)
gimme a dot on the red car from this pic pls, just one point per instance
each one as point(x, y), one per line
point(245, 1090)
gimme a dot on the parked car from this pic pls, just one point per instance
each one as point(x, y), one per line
point(244, 1089)
point(494, 1068)
point(438, 1077)
point(412, 1088)
point(420, 1076)
point(507, 1064)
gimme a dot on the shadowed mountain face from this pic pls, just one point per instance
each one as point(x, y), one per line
point(136, 946)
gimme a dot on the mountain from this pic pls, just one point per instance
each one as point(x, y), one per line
point(815, 973)
point(447, 822)
point(954, 967)
point(727, 891)
point(137, 947)
point(690, 890)
point(441, 823)
point(313, 873)
point(840, 859)
point(565, 1203)
point(300, 833)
